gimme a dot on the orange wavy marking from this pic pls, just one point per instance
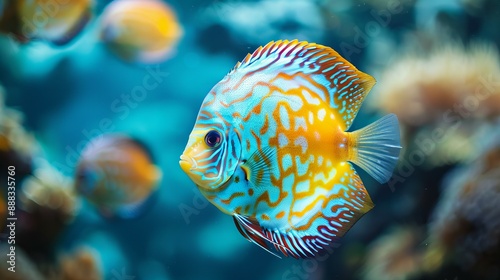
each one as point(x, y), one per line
point(304, 194)
point(308, 78)
point(240, 81)
point(222, 118)
point(264, 197)
point(233, 196)
point(309, 206)
point(205, 115)
point(241, 99)
point(257, 139)
point(212, 100)
point(265, 126)
point(248, 144)
point(255, 110)
point(237, 115)
point(315, 216)
point(307, 225)
point(280, 215)
point(265, 217)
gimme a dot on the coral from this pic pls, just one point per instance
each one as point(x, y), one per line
point(395, 255)
point(48, 188)
point(465, 229)
point(16, 144)
point(446, 145)
point(48, 204)
point(445, 99)
point(450, 82)
point(24, 268)
point(81, 265)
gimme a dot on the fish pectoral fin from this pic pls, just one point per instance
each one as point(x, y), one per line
point(377, 147)
point(258, 167)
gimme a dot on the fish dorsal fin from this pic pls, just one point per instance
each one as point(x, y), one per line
point(326, 74)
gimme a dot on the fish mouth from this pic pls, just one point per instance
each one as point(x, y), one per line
point(187, 164)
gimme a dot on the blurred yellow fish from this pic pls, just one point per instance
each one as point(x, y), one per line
point(117, 174)
point(54, 21)
point(144, 31)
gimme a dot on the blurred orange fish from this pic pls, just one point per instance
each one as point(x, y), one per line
point(54, 21)
point(144, 31)
point(117, 174)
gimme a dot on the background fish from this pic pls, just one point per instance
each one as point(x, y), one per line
point(55, 21)
point(270, 147)
point(116, 174)
point(140, 30)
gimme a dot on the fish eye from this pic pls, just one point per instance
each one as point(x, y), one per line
point(213, 138)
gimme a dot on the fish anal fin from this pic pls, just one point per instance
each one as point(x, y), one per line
point(336, 207)
point(347, 204)
point(321, 218)
point(289, 243)
point(250, 229)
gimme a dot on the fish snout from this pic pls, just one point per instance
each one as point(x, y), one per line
point(187, 163)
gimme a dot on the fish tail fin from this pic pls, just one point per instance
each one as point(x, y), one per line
point(377, 147)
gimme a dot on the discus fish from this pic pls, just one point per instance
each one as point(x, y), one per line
point(55, 21)
point(116, 174)
point(144, 31)
point(270, 147)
